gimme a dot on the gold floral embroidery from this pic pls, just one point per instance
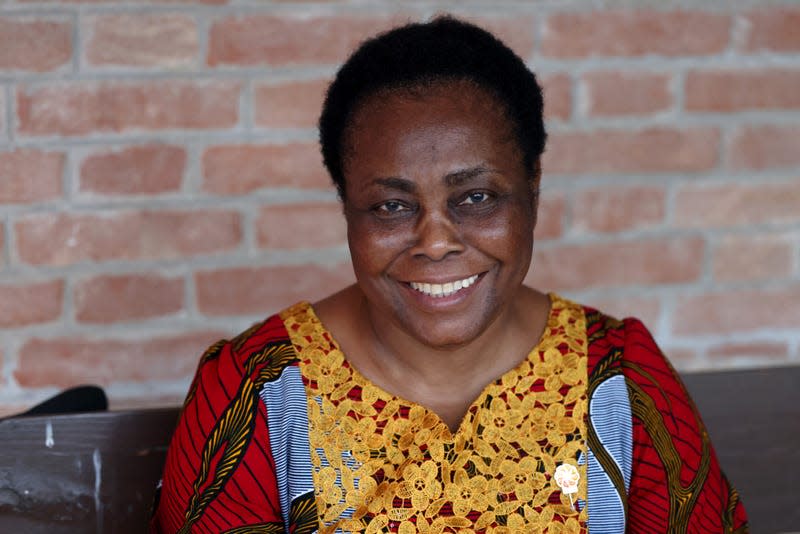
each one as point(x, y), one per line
point(381, 463)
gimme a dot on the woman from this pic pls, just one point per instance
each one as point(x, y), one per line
point(438, 394)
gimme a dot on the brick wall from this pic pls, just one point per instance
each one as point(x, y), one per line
point(160, 183)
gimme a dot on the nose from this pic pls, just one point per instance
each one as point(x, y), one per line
point(437, 236)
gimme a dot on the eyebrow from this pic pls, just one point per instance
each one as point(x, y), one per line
point(393, 182)
point(456, 178)
point(452, 179)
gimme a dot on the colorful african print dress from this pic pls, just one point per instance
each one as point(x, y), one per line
point(280, 434)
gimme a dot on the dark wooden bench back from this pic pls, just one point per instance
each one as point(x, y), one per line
point(753, 418)
point(82, 473)
point(97, 472)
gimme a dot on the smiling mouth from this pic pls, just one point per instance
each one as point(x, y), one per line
point(443, 290)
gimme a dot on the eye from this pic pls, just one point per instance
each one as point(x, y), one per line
point(391, 208)
point(475, 197)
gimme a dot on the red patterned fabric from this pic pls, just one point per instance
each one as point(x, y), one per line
point(220, 477)
point(676, 483)
point(219, 474)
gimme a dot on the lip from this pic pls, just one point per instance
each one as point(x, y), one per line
point(446, 289)
point(431, 302)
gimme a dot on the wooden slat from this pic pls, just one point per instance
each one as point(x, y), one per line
point(97, 473)
point(753, 418)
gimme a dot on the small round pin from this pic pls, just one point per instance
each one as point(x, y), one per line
point(567, 478)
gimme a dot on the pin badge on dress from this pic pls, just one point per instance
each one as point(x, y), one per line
point(567, 478)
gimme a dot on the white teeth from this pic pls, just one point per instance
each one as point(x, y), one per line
point(443, 290)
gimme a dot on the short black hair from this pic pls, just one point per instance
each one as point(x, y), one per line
point(423, 53)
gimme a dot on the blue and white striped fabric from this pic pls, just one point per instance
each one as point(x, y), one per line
point(287, 416)
point(610, 413)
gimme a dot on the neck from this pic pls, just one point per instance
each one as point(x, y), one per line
point(444, 379)
point(396, 357)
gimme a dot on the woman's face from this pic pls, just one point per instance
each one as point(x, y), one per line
point(440, 211)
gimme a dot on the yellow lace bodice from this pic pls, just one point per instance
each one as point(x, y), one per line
point(382, 463)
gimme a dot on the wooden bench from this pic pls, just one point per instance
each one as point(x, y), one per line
point(82, 473)
point(753, 418)
point(96, 472)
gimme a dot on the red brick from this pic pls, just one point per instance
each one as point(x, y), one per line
point(646, 309)
point(618, 209)
point(737, 204)
point(625, 151)
point(684, 358)
point(627, 93)
point(240, 169)
point(550, 217)
point(557, 89)
point(764, 147)
point(28, 175)
point(751, 257)
point(773, 30)
point(290, 39)
point(617, 264)
point(734, 90)
point(634, 33)
point(264, 290)
point(3, 118)
point(33, 45)
point(80, 108)
point(138, 170)
point(147, 398)
point(738, 311)
point(64, 362)
point(66, 238)
point(754, 352)
point(30, 303)
point(297, 226)
point(289, 105)
point(13, 408)
point(114, 298)
point(166, 40)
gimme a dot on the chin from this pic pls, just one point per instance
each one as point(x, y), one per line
point(446, 334)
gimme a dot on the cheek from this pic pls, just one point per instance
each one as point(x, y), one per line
point(503, 235)
point(373, 249)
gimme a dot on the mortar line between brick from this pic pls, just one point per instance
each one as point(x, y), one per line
point(7, 111)
point(541, 66)
point(77, 44)
point(7, 242)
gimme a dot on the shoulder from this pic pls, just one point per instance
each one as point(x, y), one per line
point(227, 362)
point(647, 437)
point(619, 345)
point(222, 419)
point(616, 346)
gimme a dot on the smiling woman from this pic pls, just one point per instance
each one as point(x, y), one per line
point(440, 197)
point(439, 394)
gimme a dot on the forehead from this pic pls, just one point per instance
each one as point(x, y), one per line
point(432, 116)
point(435, 96)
